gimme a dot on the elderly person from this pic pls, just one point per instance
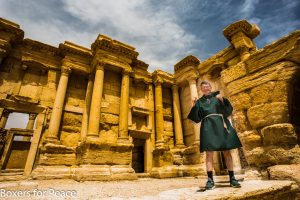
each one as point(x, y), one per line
point(216, 133)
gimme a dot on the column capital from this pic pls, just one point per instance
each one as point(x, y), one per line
point(6, 112)
point(100, 66)
point(65, 70)
point(175, 88)
point(158, 80)
point(32, 116)
point(126, 71)
point(192, 79)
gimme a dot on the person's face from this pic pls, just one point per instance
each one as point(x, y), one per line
point(206, 89)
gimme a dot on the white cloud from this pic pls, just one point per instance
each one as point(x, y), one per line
point(248, 7)
point(153, 30)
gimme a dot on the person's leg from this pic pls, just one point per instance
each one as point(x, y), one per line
point(229, 164)
point(209, 168)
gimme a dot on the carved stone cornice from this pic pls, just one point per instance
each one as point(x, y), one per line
point(187, 61)
point(71, 48)
point(40, 47)
point(107, 44)
point(139, 64)
point(251, 30)
point(15, 33)
point(159, 77)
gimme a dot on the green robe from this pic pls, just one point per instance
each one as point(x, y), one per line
point(213, 135)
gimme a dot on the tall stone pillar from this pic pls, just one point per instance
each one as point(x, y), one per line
point(4, 118)
point(30, 124)
point(177, 117)
point(86, 110)
point(124, 102)
point(159, 117)
point(194, 94)
point(95, 112)
point(58, 105)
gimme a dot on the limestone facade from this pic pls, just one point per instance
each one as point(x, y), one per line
point(98, 114)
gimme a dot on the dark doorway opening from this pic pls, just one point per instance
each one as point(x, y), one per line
point(138, 155)
point(295, 106)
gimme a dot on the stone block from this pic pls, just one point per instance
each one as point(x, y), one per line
point(273, 155)
point(51, 172)
point(268, 114)
point(234, 72)
point(261, 94)
point(170, 171)
point(240, 101)
point(69, 139)
point(57, 159)
point(240, 121)
point(285, 172)
point(100, 153)
point(278, 71)
point(122, 172)
point(279, 134)
point(91, 173)
point(281, 91)
point(250, 139)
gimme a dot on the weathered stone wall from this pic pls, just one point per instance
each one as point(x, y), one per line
point(260, 89)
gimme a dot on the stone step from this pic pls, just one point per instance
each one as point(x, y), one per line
point(11, 173)
point(11, 170)
point(12, 178)
point(143, 175)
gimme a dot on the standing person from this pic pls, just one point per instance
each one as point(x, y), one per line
point(216, 132)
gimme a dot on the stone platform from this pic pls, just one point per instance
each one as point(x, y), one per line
point(149, 188)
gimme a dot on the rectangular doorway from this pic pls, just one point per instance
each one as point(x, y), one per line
point(18, 153)
point(138, 155)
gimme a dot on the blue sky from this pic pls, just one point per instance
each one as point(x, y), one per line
point(163, 32)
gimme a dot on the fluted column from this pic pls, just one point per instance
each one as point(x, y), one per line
point(30, 124)
point(4, 118)
point(194, 94)
point(159, 117)
point(58, 105)
point(95, 112)
point(124, 103)
point(177, 117)
point(86, 110)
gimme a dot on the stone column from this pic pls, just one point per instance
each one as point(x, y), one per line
point(159, 117)
point(58, 105)
point(124, 103)
point(95, 112)
point(4, 118)
point(86, 110)
point(177, 117)
point(194, 94)
point(30, 124)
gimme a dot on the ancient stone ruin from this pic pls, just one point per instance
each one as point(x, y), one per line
point(98, 114)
